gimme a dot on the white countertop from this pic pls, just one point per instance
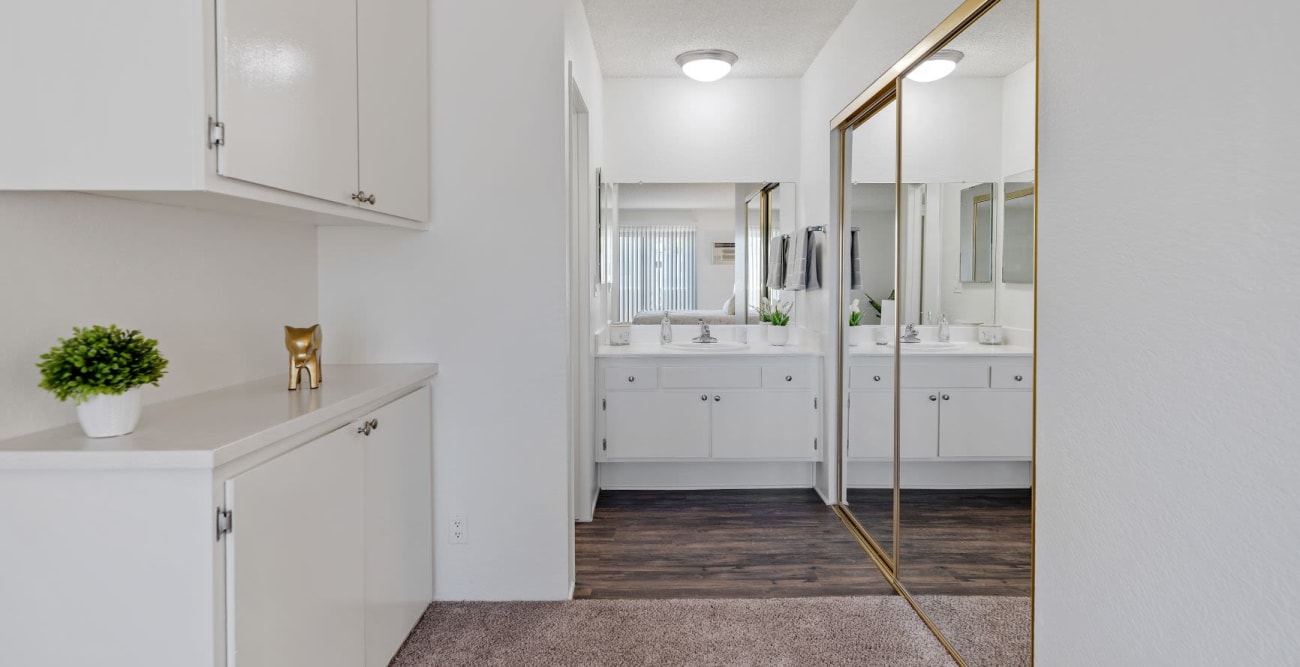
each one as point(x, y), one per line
point(654, 349)
point(206, 430)
point(960, 350)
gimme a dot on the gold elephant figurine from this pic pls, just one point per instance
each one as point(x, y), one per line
point(304, 353)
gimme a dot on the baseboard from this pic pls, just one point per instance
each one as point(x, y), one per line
point(705, 475)
point(573, 587)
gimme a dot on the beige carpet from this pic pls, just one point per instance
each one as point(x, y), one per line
point(861, 631)
point(986, 631)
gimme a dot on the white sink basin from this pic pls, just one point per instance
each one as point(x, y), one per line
point(720, 346)
point(931, 346)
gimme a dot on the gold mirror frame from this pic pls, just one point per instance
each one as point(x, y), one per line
point(887, 88)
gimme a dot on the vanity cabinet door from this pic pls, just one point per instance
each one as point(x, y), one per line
point(986, 423)
point(656, 425)
point(919, 423)
point(764, 425)
point(399, 522)
point(871, 424)
point(295, 561)
point(287, 90)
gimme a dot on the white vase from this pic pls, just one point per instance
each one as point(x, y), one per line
point(858, 335)
point(109, 415)
point(778, 335)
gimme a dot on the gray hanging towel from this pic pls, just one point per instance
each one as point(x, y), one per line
point(855, 259)
point(776, 262)
point(813, 279)
point(796, 267)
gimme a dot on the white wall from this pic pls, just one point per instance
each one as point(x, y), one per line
point(1016, 301)
point(483, 294)
point(1167, 502)
point(683, 131)
point(214, 290)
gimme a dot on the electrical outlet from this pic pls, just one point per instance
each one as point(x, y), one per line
point(459, 529)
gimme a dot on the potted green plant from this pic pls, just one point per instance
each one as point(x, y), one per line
point(779, 318)
point(857, 332)
point(102, 370)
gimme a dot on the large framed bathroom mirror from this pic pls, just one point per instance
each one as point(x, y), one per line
point(959, 419)
point(687, 250)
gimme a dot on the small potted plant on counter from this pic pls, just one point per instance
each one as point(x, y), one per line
point(779, 318)
point(857, 333)
point(102, 370)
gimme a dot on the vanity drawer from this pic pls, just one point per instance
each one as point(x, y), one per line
point(871, 377)
point(631, 378)
point(703, 377)
point(1013, 376)
point(788, 377)
point(952, 375)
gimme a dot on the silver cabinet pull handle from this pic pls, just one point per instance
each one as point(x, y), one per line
point(717, 398)
point(876, 378)
point(704, 397)
point(1019, 378)
point(945, 397)
point(933, 397)
point(360, 196)
point(788, 378)
point(366, 427)
point(631, 378)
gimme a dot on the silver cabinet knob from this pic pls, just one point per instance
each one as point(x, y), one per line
point(717, 397)
point(631, 378)
point(704, 397)
point(789, 378)
point(1019, 378)
point(360, 196)
point(876, 378)
point(933, 397)
point(368, 426)
point(945, 397)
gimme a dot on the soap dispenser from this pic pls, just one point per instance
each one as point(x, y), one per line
point(944, 334)
point(665, 330)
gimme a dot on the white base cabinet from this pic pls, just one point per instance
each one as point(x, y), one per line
point(248, 527)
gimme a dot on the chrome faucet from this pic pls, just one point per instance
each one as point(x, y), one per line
point(910, 335)
point(705, 336)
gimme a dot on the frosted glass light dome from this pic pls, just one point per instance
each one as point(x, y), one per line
point(706, 64)
point(938, 66)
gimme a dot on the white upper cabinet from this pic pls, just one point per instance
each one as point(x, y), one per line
point(287, 109)
point(287, 94)
point(393, 80)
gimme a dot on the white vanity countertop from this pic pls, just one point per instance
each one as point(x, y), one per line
point(934, 351)
point(654, 349)
point(205, 430)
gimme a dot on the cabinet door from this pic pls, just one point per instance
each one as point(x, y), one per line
point(294, 562)
point(393, 105)
point(656, 425)
point(986, 423)
point(764, 425)
point(871, 424)
point(919, 424)
point(287, 92)
point(399, 523)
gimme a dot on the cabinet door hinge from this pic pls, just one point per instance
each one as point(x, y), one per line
point(814, 402)
point(225, 522)
point(216, 133)
point(602, 404)
point(604, 445)
point(814, 444)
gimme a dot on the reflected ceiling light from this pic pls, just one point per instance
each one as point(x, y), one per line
point(706, 64)
point(938, 66)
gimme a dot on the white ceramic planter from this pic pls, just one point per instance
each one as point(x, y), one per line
point(109, 415)
point(859, 335)
point(778, 335)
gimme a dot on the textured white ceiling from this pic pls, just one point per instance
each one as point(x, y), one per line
point(1001, 42)
point(774, 38)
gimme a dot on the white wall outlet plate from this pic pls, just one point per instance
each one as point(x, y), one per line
point(459, 531)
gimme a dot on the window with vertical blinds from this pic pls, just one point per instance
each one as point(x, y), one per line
point(657, 267)
point(754, 276)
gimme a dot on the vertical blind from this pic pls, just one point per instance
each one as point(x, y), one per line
point(754, 277)
point(657, 267)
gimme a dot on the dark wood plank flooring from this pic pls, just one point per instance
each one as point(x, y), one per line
point(720, 544)
point(958, 541)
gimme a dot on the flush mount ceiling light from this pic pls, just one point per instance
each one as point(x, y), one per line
point(938, 66)
point(706, 64)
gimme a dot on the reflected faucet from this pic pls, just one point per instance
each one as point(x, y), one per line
point(910, 335)
point(705, 336)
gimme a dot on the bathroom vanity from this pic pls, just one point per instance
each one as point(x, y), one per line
point(673, 418)
point(249, 525)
